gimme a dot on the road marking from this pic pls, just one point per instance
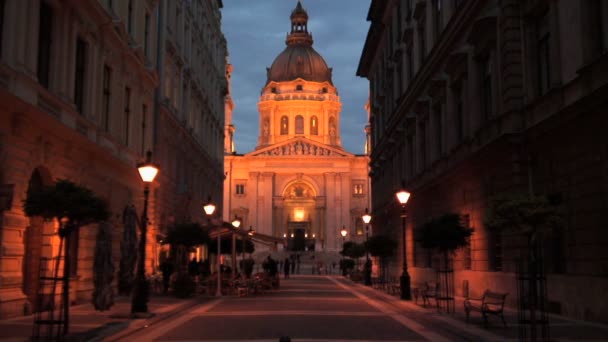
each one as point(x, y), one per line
point(298, 340)
point(408, 323)
point(291, 313)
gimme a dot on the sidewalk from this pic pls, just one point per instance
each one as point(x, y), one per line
point(561, 328)
point(86, 324)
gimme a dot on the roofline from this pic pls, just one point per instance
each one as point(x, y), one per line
point(374, 14)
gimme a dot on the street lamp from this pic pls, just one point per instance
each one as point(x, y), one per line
point(139, 304)
point(209, 209)
point(403, 196)
point(236, 223)
point(343, 232)
point(368, 265)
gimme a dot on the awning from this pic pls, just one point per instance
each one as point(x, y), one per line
point(227, 229)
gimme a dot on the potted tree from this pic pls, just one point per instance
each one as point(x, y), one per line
point(445, 233)
point(183, 237)
point(531, 216)
point(74, 206)
point(383, 247)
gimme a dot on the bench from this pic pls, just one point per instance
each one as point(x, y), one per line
point(491, 303)
point(429, 290)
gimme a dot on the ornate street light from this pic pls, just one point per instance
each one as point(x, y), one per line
point(343, 232)
point(139, 304)
point(368, 265)
point(209, 209)
point(236, 223)
point(403, 196)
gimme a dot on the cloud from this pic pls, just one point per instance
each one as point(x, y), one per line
point(256, 31)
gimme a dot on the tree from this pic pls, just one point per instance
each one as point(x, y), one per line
point(531, 216)
point(74, 206)
point(383, 247)
point(353, 250)
point(445, 233)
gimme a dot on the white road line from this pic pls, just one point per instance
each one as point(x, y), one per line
point(154, 332)
point(296, 340)
point(408, 323)
point(291, 313)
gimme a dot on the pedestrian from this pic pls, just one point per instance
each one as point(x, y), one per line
point(293, 265)
point(286, 268)
point(167, 269)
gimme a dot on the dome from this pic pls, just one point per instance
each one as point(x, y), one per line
point(299, 61)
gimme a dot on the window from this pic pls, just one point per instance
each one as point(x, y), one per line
point(130, 17)
point(359, 226)
point(74, 238)
point(437, 18)
point(299, 124)
point(422, 146)
point(459, 112)
point(44, 43)
point(465, 221)
point(284, 125)
point(324, 90)
point(273, 90)
point(299, 87)
point(127, 116)
point(410, 63)
point(105, 101)
point(2, 3)
point(421, 42)
point(410, 157)
point(79, 75)
point(146, 34)
point(358, 189)
point(314, 126)
point(438, 129)
point(144, 117)
point(543, 50)
point(495, 251)
point(240, 189)
point(486, 88)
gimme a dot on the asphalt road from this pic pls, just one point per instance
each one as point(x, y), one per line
point(305, 308)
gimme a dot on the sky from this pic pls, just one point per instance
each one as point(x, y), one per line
point(255, 31)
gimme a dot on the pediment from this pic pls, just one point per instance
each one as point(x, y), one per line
point(299, 147)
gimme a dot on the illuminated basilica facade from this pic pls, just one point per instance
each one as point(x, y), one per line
point(299, 184)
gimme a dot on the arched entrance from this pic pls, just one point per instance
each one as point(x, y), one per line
point(299, 207)
point(33, 241)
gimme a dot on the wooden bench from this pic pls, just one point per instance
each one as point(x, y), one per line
point(491, 303)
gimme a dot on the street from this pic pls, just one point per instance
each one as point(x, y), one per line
point(305, 308)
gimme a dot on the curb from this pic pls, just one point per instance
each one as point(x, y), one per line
point(121, 330)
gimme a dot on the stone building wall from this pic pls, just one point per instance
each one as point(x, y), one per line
point(472, 99)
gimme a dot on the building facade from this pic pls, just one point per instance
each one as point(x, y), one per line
point(472, 99)
point(299, 183)
point(193, 87)
point(87, 88)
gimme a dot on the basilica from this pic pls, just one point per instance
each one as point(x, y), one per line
point(299, 185)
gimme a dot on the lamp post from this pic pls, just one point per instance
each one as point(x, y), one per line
point(236, 223)
point(368, 265)
point(343, 232)
point(139, 304)
point(209, 209)
point(403, 196)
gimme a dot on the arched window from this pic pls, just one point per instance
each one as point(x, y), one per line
point(299, 124)
point(284, 125)
point(314, 126)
